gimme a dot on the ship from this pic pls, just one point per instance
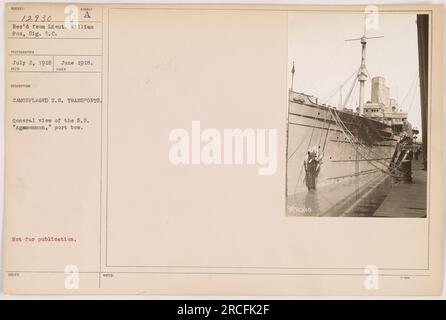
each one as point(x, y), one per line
point(354, 148)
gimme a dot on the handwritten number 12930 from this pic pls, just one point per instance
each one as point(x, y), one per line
point(36, 18)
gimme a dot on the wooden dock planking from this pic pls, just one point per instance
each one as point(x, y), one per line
point(407, 199)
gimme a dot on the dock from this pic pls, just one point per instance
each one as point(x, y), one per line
point(407, 200)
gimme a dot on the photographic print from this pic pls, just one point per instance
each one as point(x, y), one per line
point(212, 149)
point(357, 114)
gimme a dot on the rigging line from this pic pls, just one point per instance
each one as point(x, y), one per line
point(300, 173)
point(368, 73)
point(413, 99)
point(323, 128)
point(341, 125)
point(326, 136)
point(309, 142)
point(329, 96)
point(351, 90)
point(351, 95)
point(384, 171)
point(347, 99)
point(375, 130)
point(354, 73)
point(409, 92)
point(412, 86)
point(355, 95)
point(337, 88)
point(297, 148)
point(325, 100)
point(298, 179)
point(412, 102)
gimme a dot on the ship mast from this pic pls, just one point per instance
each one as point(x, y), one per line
point(362, 73)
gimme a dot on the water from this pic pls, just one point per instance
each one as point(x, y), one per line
point(342, 199)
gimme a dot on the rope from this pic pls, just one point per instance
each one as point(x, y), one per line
point(342, 126)
point(297, 148)
point(329, 96)
point(412, 87)
point(357, 140)
point(413, 100)
point(323, 128)
point(300, 173)
point(349, 95)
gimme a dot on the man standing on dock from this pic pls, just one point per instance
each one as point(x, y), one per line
point(405, 157)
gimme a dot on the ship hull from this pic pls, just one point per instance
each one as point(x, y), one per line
point(347, 172)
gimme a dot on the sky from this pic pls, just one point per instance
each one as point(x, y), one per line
point(324, 60)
